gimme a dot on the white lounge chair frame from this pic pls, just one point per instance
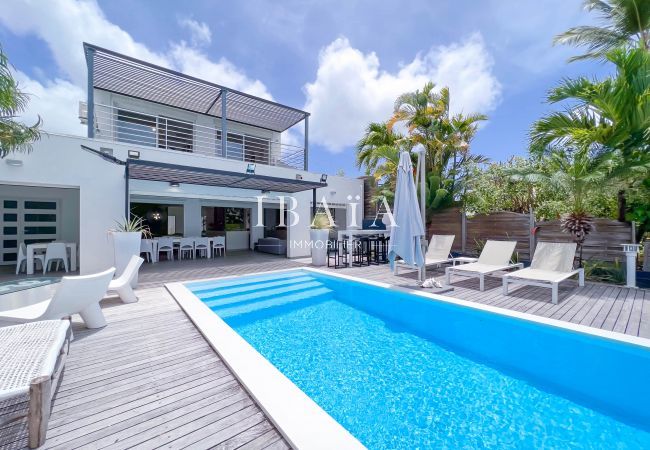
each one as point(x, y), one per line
point(35, 355)
point(122, 284)
point(495, 257)
point(74, 295)
point(552, 263)
point(438, 252)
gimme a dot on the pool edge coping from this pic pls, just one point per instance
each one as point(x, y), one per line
point(300, 420)
point(295, 429)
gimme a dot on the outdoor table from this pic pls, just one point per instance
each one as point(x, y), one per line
point(71, 246)
point(350, 233)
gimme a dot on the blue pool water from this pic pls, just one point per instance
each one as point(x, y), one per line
point(400, 371)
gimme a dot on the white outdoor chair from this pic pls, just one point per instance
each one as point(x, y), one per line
point(495, 257)
point(202, 247)
point(166, 245)
point(147, 247)
point(22, 258)
point(74, 295)
point(438, 252)
point(33, 359)
point(122, 284)
point(186, 247)
point(56, 251)
point(219, 245)
point(551, 264)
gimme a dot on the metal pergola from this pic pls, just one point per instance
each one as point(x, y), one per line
point(113, 72)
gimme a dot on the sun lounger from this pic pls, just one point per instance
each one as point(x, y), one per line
point(438, 252)
point(551, 264)
point(74, 295)
point(32, 358)
point(495, 257)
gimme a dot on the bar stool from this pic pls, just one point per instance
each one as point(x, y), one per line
point(360, 251)
point(338, 251)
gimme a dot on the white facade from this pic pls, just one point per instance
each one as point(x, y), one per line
point(58, 161)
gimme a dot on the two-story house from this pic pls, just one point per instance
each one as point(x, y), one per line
point(189, 156)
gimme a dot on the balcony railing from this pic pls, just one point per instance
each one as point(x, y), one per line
point(140, 128)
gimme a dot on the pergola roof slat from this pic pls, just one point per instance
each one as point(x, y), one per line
point(128, 76)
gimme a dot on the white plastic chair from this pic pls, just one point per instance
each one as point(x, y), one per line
point(74, 295)
point(219, 245)
point(122, 284)
point(187, 246)
point(22, 258)
point(202, 247)
point(166, 245)
point(56, 251)
point(147, 247)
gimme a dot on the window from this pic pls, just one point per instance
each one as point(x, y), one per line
point(40, 205)
point(245, 148)
point(40, 217)
point(136, 128)
point(175, 135)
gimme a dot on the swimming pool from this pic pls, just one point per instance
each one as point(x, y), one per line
point(400, 370)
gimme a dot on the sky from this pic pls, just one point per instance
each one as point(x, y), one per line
point(345, 62)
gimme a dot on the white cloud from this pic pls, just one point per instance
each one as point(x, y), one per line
point(200, 33)
point(351, 90)
point(55, 101)
point(67, 24)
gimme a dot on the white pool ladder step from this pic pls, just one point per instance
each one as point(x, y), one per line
point(260, 295)
point(249, 288)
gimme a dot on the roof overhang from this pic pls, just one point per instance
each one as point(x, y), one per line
point(121, 74)
point(173, 173)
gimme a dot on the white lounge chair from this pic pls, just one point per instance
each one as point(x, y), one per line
point(122, 284)
point(33, 357)
point(494, 258)
point(551, 264)
point(74, 295)
point(438, 252)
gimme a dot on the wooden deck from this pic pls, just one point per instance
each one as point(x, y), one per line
point(149, 379)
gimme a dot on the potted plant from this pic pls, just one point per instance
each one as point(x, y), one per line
point(319, 234)
point(126, 236)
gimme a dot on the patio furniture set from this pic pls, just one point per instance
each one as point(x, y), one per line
point(358, 248)
point(182, 247)
point(47, 253)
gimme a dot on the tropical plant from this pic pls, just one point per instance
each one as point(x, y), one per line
point(14, 136)
point(135, 224)
point(446, 139)
point(576, 171)
point(625, 23)
point(378, 151)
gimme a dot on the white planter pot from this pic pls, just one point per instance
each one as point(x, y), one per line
point(125, 245)
point(319, 246)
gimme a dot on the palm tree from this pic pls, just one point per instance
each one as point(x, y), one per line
point(378, 151)
point(624, 23)
point(425, 115)
point(610, 116)
point(575, 170)
point(14, 136)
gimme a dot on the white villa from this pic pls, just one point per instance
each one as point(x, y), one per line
point(188, 155)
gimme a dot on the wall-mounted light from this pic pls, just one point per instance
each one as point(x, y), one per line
point(174, 184)
point(298, 176)
point(250, 169)
point(134, 154)
point(323, 178)
point(14, 162)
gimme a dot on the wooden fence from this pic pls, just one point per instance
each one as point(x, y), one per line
point(602, 244)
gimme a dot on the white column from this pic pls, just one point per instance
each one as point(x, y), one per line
point(256, 232)
point(298, 235)
point(630, 251)
point(192, 221)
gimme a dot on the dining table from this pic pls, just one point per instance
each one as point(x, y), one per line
point(177, 241)
point(72, 250)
